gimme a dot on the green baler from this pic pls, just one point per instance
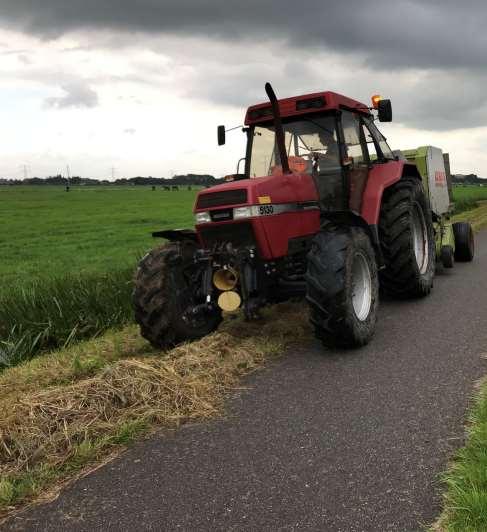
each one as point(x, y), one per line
point(453, 240)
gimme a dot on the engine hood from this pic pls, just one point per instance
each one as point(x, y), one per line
point(273, 189)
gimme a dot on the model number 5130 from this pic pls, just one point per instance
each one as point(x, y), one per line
point(265, 210)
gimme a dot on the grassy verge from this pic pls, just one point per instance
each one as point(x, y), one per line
point(467, 204)
point(54, 313)
point(477, 217)
point(71, 408)
point(465, 498)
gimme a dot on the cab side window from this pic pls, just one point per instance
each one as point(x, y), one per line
point(371, 147)
point(352, 136)
point(376, 142)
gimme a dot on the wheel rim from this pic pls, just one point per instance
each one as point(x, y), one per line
point(420, 239)
point(361, 287)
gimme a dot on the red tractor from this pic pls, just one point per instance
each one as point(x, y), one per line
point(323, 209)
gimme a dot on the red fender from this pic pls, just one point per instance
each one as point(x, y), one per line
point(381, 176)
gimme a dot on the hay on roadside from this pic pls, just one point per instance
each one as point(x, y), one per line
point(46, 427)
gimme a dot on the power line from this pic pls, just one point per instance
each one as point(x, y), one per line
point(25, 169)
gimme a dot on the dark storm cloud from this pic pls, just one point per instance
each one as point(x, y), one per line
point(413, 33)
point(77, 94)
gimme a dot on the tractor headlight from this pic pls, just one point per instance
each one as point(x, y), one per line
point(244, 212)
point(202, 217)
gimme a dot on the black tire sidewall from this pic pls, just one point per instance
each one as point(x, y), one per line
point(160, 297)
point(329, 286)
point(401, 276)
point(464, 241)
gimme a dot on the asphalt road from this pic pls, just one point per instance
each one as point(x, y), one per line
point(318, 441)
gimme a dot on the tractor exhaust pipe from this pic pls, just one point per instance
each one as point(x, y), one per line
point(281, 144)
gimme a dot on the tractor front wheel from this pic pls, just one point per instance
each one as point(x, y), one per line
point(342, 287)
point(165, 300)
point(407, 240)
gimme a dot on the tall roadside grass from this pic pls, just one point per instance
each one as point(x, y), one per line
point(53, 313)
point(465, 204)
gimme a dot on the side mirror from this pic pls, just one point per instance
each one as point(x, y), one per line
point(221, 135)
point(385, 110)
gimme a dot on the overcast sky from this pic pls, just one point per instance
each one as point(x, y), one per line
point(140, 85)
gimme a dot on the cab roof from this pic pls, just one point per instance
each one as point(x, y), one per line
point(307, 103)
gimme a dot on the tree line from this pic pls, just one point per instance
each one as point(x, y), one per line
point(186, 179)
point(469, 179)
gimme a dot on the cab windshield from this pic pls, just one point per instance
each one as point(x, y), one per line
point(307, 140)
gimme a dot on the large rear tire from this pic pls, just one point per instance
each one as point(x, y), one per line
point(464, 242)
point(342, 287)
point(407, 240)
point(165, 293)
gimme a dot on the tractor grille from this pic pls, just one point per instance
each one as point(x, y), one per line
point(239, 234)
point(225, 197)
point(221, 215)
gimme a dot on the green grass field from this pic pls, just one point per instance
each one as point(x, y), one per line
point(469, 192)
point(48, 232)
point(68, 260)
point(467, 197)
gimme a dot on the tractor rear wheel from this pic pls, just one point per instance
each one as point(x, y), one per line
point(464, 241)
point(407, 240)
point(164, 296)
point(342, 287)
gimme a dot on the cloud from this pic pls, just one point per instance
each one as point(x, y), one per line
point(405, 34)
point(192, 64)
point(24, 59)
point(77, 94)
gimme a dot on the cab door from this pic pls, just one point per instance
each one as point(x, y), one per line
point(327, 169)
point(356, 160)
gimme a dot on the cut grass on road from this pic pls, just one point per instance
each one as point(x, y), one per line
point(68, 409)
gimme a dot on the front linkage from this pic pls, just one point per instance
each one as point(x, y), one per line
point(230, 278)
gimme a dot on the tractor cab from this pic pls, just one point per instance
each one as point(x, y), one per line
point(326, 135)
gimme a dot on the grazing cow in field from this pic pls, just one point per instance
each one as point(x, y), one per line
point(189, 187)
point(174, 187)
point(166, 187)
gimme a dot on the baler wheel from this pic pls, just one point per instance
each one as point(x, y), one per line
point(407, 240)
point(342, 286)
point(164, 296)
point(446, 256)
point(464, 241)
